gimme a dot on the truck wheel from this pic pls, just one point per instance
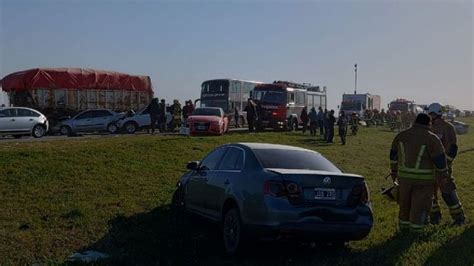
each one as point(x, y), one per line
point(130, 127)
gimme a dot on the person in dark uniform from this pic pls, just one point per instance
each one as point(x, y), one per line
point(342, 123)
point(251, 114)
point(162, 116)
point(153, 111)
point(330, 128)
point(313, 121)
point(304, 118)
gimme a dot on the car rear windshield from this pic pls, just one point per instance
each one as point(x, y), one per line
point(293, 159)
point(207, 112)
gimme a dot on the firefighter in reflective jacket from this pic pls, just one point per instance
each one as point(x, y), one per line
point(446, 132)
point(417, 158)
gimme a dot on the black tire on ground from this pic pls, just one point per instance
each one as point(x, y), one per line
point(130, 127)
point(112, 128)
point(65, 130)
point(232, 232)
point(38, 131)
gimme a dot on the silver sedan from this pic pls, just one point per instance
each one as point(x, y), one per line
point(22, 121)
point(94, 120)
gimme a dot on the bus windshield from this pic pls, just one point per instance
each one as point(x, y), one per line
point(215, 87)
point(277, 97)
point(222, 103)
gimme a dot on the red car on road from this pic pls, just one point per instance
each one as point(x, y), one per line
point(208, 121)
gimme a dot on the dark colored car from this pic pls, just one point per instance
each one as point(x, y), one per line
point(268, 190)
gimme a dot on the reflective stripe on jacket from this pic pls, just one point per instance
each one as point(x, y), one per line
point(417, 153)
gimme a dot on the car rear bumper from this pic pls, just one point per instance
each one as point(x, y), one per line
point(204, 133)
point(211, 130)
point(315, 222)
point(313, 230)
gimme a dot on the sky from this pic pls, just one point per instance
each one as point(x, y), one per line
point(419, 50)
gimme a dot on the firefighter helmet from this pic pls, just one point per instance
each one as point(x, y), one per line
point(391, 193)
point(436, 108)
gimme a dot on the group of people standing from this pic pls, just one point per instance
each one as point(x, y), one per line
point(168, 118)
point(400, 120)
point(325, 122)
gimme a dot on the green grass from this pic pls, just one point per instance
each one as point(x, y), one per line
point(113, 195)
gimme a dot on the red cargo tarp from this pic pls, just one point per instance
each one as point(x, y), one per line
point(74, 78)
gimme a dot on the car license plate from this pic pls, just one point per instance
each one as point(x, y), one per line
point(325, 193)
point(201, 127)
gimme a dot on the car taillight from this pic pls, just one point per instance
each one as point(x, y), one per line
point(274, 113)
point(360, 194)
point(279, 189)
point(365, 197)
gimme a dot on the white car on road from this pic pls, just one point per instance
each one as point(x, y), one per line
point(22, 121)
point(138, 121)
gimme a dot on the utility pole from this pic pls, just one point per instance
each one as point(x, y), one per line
point(355, 83)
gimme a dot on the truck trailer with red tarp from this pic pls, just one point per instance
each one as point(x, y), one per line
point(66, 91)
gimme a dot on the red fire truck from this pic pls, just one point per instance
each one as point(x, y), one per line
point(281, 102)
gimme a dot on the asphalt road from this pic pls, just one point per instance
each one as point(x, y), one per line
point(90, 136)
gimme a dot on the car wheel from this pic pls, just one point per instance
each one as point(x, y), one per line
point(38, 131)
point(130, 127)
point(65, 130)
point(232, 231)
point(112, 128)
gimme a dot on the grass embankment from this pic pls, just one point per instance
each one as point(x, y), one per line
point(113, 195)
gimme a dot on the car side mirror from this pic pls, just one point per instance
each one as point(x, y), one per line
point(194, 165)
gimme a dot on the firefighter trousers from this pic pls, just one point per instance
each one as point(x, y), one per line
point(450, 197)
point(415, 198)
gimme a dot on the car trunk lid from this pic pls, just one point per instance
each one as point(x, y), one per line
point(322, 188)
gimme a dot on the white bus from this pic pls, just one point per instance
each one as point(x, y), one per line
point(227, 94)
